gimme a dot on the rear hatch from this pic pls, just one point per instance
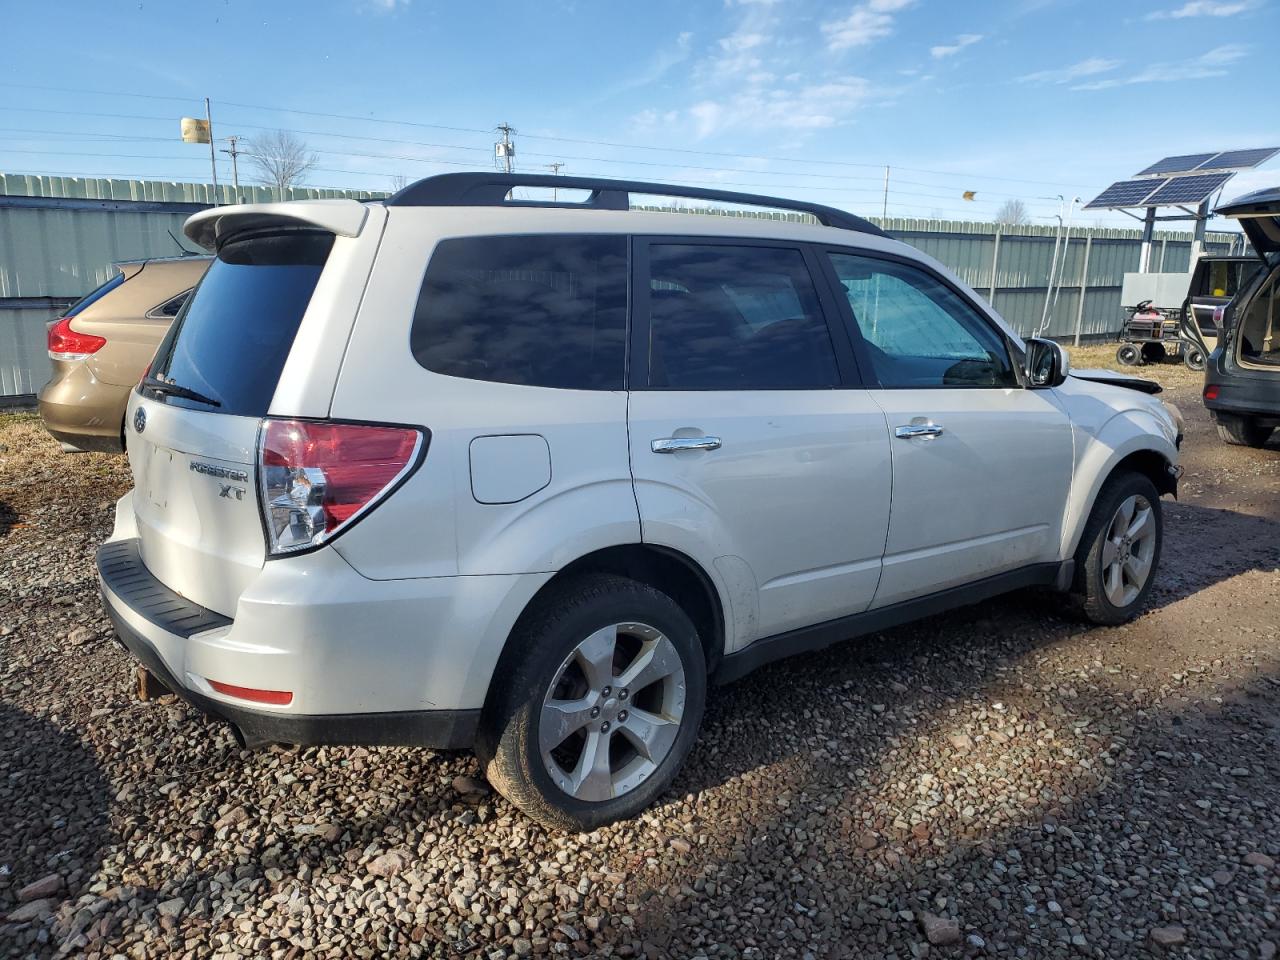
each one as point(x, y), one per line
point(1259, 216)
point(193, 422)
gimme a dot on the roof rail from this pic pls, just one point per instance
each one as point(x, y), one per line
point(491, 189)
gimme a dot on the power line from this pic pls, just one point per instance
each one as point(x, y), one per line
point(548, 137)
point(840, 178)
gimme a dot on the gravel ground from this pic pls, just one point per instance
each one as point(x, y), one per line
point(1004, 781)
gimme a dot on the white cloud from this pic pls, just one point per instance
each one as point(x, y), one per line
point(1205, 8)
point(1212, 63)
point(866, 23)
point(660, 64)
point(947, 50)
point(1085, 68)
point(813, 106)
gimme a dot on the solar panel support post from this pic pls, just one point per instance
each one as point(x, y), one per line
point(1148, 234)
point(1197, 241)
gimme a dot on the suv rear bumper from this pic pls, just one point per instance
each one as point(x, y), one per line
point(160, 628)
point(1247, 396)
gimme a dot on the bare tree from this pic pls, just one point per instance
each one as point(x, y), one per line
point(281, 159)
point(398, 182)
point(1013, 213)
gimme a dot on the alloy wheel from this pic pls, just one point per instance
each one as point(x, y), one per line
point(1128, 550)
point(613, 711)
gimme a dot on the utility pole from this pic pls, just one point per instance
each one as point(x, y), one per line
point(884, 210)
point(235, 170)
point(213, 156)
point(555, 172)
point(506, 150)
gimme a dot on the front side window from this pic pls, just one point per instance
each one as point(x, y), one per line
point(545, 311)
point(918, 331)
point(724, 317)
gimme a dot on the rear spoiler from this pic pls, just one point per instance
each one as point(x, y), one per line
point(345, 218)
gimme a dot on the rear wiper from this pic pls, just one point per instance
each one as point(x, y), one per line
point(174, 390)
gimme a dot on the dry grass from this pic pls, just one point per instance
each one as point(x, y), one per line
point(1171, 373)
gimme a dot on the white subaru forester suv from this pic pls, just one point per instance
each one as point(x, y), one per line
point(461, 471)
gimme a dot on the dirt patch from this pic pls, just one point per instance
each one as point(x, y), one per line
point(1057, 790)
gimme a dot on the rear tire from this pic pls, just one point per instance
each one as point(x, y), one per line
point(1128, 355)
point(1153, 353)
point(1241, 431)
point(1193, 357)
point(566, 737)
point(1119, 552)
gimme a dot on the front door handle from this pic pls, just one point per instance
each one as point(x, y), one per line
point(918, 431)
point(676, 444)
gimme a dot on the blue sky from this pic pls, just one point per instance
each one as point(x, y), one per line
point(1017, 98)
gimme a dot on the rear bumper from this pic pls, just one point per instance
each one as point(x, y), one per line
point(170, 635)
point(81, 411)
point(1248, 396)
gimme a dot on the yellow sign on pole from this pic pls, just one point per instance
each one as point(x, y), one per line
point(195, 130)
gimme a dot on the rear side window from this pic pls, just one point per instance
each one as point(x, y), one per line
point(543, 311)
point(230, 339)
point(94, 296)
point(725, 317)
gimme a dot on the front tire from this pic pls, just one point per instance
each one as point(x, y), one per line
point(1153, 353)
point(601, 707)
point(1241, 431)
point(1119, 552)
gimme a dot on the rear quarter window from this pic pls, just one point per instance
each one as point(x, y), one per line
point(545, 311)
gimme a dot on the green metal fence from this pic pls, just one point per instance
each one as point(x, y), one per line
point(59, 237)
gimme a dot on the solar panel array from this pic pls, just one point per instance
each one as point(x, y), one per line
point(1180, 164)
point(1239, 159)
point(1125, 193)
point(1189, 190)
point(1200, 175)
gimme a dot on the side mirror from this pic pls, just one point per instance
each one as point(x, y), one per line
point(1047, 363)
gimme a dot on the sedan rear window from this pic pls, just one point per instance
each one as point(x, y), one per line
point(230, 340)
point(94, 296)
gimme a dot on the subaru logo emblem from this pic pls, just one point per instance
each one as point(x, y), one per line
point(140, 419)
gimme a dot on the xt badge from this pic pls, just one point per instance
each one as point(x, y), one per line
point(230, 492)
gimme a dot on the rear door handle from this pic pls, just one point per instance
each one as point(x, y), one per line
point(676, 444)
point(918, 431)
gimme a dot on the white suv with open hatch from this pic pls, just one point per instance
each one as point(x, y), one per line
point(458, 470)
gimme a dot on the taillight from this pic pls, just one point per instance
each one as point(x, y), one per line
point(1211, 392)
point(68, 344)
point(316, 478)
point(1219, 314)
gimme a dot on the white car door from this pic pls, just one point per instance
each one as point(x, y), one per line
point(981, 465)
point(753, 448)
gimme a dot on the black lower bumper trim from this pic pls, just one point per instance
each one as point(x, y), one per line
point(436, 729)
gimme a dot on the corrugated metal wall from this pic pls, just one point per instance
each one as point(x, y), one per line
point(60, 235)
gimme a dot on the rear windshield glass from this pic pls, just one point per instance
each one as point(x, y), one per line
point(230, 340)
point(95, 296)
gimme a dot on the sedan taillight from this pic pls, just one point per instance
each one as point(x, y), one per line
point(315, 478)
point(68, 344)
